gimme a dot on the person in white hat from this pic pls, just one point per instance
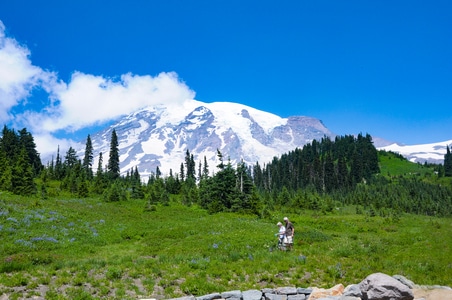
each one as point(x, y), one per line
point(281, 234)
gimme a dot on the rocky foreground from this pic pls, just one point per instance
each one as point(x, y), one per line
point(377, 286)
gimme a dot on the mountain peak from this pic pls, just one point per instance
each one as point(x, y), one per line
point(160, 136)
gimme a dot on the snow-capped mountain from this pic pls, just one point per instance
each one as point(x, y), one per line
point(160, 136)
point(432, 153)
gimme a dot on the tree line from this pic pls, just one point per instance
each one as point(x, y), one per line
point(321, 176)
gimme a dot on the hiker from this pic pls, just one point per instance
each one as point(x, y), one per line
point(290, 230)
point(281, 234)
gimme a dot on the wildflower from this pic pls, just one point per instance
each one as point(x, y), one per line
point(23, 243)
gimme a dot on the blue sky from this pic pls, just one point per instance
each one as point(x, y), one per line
point(377, 67)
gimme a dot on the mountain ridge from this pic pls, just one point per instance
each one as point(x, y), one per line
point(159, 136)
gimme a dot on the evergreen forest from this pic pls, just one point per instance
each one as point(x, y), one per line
point(321, 176)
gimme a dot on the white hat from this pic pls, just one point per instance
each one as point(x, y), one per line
point(286, 219)
point(279, 224)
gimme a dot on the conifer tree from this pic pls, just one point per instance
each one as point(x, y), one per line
point(5, 172)
point(172, 184)
point(27, 141)
point(205, 169)
point(59, 171)
point(113, 161)
point(99, 181)
point(88, 158)
point(70, 160)
point(448, 163)
point(22, 175)
point(9, 143)
point(223, 189)
point(190, 166)
point(182, 172)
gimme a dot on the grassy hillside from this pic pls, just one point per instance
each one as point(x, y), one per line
point(396, 165)
point(393, 165)
point(87, 249)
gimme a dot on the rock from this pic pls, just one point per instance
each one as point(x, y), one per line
point(237, 294)
point(432, 294)
point(380, 286)
point(209, 296)
point(296, 297)
point(268, 290)
point(306, 291)
point(252, 295)
point(286, 291)
point(180, 298)
point(405, 281)
point(317, 293)
point(275, 297)
point(353, 290)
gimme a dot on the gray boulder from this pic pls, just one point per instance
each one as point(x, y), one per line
point(405, 281)
point(236, 294)
point(353, 290)
point(275, 297)
point(286, 291)
point(209, 296)
point(380, 286)
point(296, 297)
point(252, 295)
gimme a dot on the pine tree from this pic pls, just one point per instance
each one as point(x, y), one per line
point(448, 163)
point(22, 175)
point(190, 166)
point(88, 158)
point(5, 172)
point(113, 161)
point(224, 189)
point(26, 140)
point(59, 170)
point(182, 172)
point(70, 160)
point(9, 143)
point(99, 181)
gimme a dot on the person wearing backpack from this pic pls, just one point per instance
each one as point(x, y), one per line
point(290, 230)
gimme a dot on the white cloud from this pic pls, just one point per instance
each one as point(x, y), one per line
point(88, 100)
point(48, 145)
point(17, 74)
point(84, 101)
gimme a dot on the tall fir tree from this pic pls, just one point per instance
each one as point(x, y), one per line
point(59, 170)
point(88, 158)
point(70, 160)
point(99, 180)
point(113, 160)
point(22, 175)
point(9, 143)
point(26, 140)
point(448, 163)
point(5, 172)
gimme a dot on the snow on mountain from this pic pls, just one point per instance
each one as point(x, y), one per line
point(432, 153)
point(160, 136)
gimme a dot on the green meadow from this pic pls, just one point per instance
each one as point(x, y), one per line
point(69, 248)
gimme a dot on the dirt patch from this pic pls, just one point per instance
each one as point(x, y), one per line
point(433, 294)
